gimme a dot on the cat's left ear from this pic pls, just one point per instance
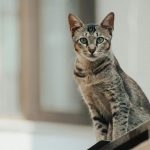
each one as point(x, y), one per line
point(108, 22)
point(74, 23)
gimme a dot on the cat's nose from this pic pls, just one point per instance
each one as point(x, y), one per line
point(92, 49)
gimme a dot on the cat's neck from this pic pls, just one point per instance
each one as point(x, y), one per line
point(85, 63)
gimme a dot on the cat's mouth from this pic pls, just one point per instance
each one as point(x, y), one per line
point(92, 55)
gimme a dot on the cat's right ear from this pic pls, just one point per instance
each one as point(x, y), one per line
point(108, 22)
point(74, 23)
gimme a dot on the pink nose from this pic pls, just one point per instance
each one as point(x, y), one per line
point(92, 48)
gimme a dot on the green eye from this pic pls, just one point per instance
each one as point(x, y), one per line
point(100, 40)
point(84, 41)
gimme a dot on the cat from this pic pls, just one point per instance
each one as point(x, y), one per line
point(115, 101)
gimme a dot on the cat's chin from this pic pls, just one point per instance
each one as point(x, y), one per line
point(92, 58)
point(88, 58)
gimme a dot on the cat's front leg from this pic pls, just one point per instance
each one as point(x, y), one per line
point(100, 127)
point(120, 112)
point(99, 122)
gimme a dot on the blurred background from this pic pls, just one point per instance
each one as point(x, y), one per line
point(40, 106)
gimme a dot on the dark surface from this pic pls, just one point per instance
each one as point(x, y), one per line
point(128, 141)
point(134, 141)
point(99, 145)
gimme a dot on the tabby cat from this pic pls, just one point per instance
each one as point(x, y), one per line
point(115, 101)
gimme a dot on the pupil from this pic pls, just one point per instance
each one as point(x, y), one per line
point(83, 40)
point(100, 40)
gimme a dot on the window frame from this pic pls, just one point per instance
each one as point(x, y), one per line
point(30, 76)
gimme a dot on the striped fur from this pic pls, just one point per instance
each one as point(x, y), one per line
point(115, 101)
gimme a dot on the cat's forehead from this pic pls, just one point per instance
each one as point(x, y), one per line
point(92, 29)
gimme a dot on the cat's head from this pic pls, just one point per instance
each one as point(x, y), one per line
point(92, 41)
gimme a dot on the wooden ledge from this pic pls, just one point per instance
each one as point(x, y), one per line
point(127, 141)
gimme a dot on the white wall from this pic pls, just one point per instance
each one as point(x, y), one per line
point(25, 135)
point(131, 40)
point(9, 57)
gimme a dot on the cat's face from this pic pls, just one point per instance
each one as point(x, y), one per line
point(92, 41)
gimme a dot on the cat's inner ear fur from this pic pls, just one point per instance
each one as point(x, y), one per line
point(108, 22)
point(74, 23)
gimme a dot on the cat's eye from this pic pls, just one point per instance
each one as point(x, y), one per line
point(99, 40)
point(84, 41)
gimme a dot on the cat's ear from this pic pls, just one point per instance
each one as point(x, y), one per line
point(108, 22)
point(74, 23)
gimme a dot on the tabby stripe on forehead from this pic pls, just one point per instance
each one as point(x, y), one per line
point(91, 29)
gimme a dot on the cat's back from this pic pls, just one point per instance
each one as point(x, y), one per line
point(134, 91)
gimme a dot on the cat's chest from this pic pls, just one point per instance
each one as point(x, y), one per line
point(94, 96)
point(91, 89)
point(88, 79)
